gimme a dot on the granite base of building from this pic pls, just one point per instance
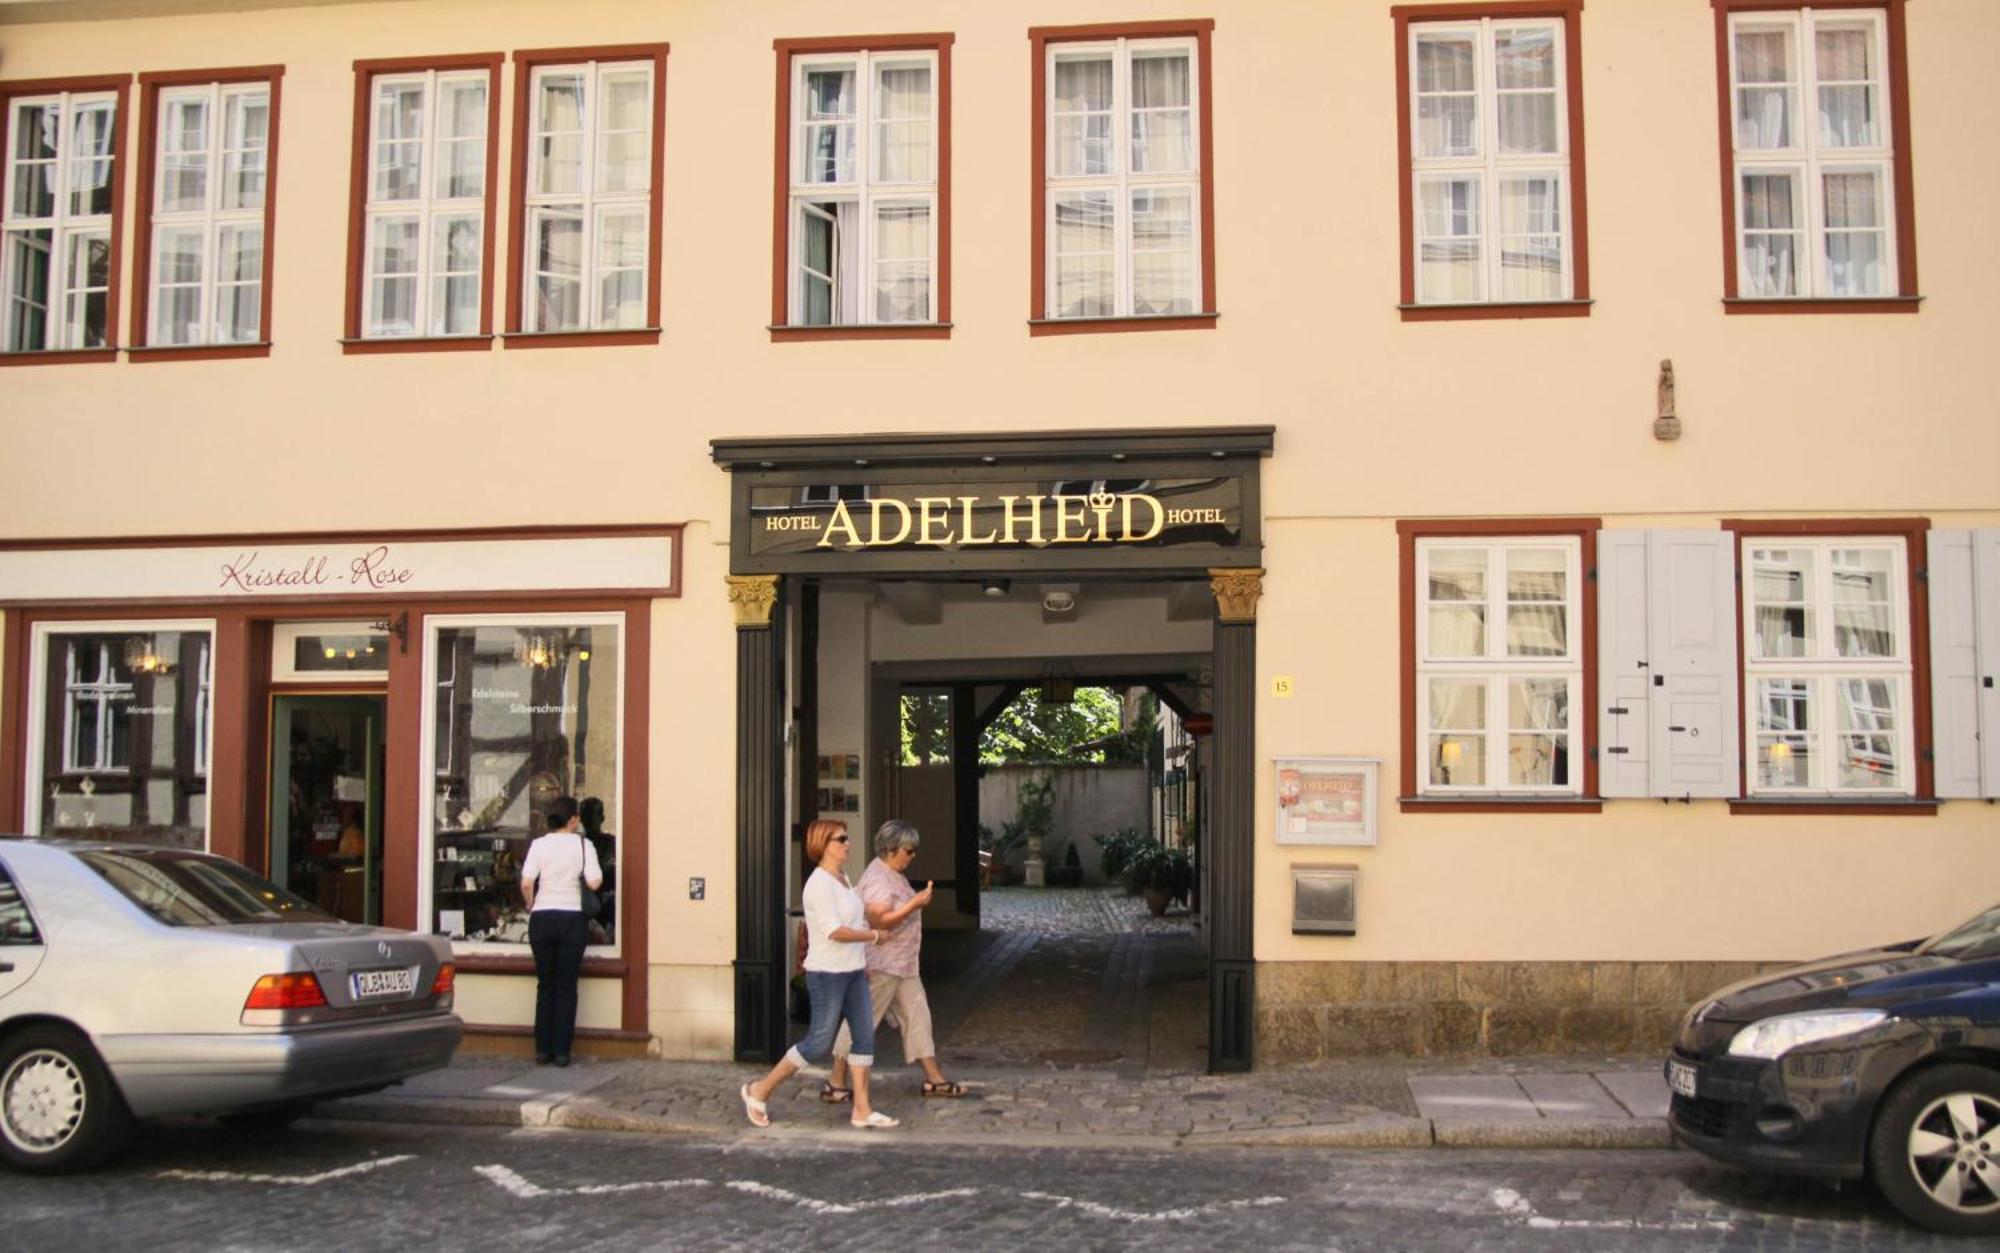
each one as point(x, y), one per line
point(1310, 1010)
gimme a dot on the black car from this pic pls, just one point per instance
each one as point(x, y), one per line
point(1883, 1064)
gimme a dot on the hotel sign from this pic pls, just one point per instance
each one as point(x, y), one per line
point(981, 517)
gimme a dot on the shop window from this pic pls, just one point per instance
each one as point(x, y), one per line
point(121, 750)
point(58, 226)
point(589, 202)
point(865, 188)
point(425, 200)
point(1493, 205)
point(1827, 667)
point(319, 650)
point(208, 212)
point(1816, 161)
point(523, 710)
point(1124, 205)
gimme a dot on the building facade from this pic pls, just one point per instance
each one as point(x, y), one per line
point(1518, 438)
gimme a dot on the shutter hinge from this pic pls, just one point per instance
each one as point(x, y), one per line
point(1591, 574)
point(1930, 755)
point(1616, 709)
point(1924, 575)
point(1593, 751)
point(1618, 750)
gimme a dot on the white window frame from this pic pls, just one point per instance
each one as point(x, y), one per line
point(430, 209)
point(1807, 162)
point(1496, 668)
point(40, 636)
point(591, 204)
point(61, 330)
point(1489, 166)
point(284, 650)
point(213, 218)
point(866, 190)
point(427, 802)
point(1121, 182)
point(104, 695)
point(1825, 668)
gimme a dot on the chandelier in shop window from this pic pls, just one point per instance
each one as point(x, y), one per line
point(546, 650)
point(142, 658)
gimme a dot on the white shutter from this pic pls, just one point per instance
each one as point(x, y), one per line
point(1955, 740)
point(1692, 654)
point(1623, 685)
point(1986, 614)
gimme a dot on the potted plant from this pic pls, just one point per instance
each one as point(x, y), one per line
point(1164, 875)
point(1116, 856)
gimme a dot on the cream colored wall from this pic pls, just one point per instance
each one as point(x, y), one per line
point(511, 999)
point(1642, 880)
point(1376, 419)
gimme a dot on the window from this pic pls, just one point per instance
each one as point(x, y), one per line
point(864, 186)
point(588, 166)
point(59, 223)
point(17, 924)
point(428, 144)
point(207, 206)
point(184, 889)
point(1492, 154)
point(120, 734)
point(1817, 171)
point(1499, 662)
point(1827, 666)
point(523, 709)
point(1125, 208)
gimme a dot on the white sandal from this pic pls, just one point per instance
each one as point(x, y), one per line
point(876, 1118)
point(755, 1110)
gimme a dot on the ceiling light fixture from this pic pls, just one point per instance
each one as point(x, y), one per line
point(994, 588)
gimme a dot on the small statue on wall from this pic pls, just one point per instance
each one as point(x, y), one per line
point(1666, 423)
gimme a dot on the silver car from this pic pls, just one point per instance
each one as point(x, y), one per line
point(138, 982)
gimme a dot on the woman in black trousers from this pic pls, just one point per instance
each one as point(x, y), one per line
point(551, 883)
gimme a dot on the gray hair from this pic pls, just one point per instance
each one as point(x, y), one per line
point(894, 836)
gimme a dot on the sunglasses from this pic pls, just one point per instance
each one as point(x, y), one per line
point(840, 839)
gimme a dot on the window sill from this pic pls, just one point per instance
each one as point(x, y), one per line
point(579, 339)
point(1497, 309)
point(416, 343)
point(1148, 322)
point(1500, 805)
point(198, 352)
point(1872, 304)
point(59, 356)
point(876, 330)
point(476, 964)
point(1835, 806)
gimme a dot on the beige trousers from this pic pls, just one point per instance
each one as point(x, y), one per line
point(901, 996)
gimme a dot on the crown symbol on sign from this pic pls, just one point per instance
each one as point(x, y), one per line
point(1101, 502)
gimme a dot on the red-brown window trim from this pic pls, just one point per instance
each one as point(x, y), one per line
point(526, 61)
point(1913, 532)
point(781, 329)
point(1583, 725)
point(121, 85)
point(1905, 299)
point(1039, 38)
point(142, 260)
point(357, 207)
point(1570, 14)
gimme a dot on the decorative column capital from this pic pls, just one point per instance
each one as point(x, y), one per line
point(752, 597)
point(1236, 591)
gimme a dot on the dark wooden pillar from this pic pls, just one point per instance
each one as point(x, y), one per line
point(760, 815)
point(1229, 843)
point(965, 796)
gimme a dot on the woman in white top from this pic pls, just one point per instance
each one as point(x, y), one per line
point(837, 940)
point(557, 929)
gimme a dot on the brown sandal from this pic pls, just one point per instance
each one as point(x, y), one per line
point(835, 1096)
point(946, 1089)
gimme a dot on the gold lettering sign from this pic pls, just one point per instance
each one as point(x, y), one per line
point(970, 521)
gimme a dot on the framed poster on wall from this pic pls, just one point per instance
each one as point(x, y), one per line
point(1327, 800)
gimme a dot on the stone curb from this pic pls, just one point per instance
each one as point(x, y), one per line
point(1384, 1132)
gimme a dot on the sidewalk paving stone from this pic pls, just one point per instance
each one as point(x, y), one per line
point(1571, 1096)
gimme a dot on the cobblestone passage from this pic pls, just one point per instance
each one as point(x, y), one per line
point(327, 1185)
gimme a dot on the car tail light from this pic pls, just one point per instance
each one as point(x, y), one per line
point(442, 985)
point(284, 1000)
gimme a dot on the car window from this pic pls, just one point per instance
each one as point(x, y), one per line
point(1977, 940)
point(192, 890)
point(17, 925)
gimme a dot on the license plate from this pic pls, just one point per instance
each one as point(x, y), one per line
point(1680, 1077)
point(369, 984)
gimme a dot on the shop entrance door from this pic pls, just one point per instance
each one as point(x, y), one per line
point(326, 801)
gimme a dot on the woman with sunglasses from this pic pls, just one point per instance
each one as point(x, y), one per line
point(837, 940)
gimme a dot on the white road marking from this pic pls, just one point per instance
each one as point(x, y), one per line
point(1519, 1209)
point(817, 1206)
point(324, 1176)
point(1100, 1210)
point(527, 1190)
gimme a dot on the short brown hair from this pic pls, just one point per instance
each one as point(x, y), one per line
point(820, 833)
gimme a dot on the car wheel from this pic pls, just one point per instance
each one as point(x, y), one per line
point(58, 1108)
point(1935, 1151)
